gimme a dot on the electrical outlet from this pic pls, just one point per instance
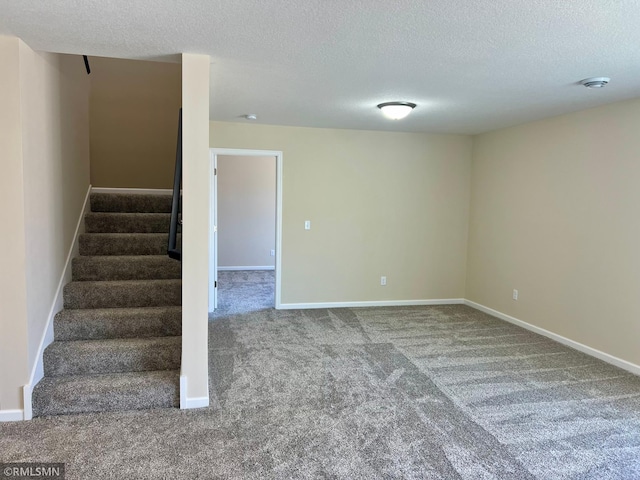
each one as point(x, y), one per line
point(383, 281)
point(515, 294)
point(307, 224)
point(273, 253)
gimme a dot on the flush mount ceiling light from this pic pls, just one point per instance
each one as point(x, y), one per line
point(396, 110)
point(595, 82)
point(251, 116)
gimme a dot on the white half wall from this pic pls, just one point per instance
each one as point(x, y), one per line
point(195, 229)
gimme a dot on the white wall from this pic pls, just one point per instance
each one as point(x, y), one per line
point(46, 141)
point(380, 203)
point(195, 230)
point(246, 211)
point(554, 214)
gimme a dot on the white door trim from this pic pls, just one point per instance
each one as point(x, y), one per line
point(214, 152)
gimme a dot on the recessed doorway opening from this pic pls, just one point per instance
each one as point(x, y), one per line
point(245, 245)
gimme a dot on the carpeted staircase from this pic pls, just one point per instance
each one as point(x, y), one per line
point(117, 343)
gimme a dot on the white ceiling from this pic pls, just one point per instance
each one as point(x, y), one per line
point(471, 66)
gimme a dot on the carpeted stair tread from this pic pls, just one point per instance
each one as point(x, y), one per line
point(125, 267)
point(130, 203)
point(122, 294)
point(127, 222)
point(107, 392)
point(117, 342)
point(87, 357)
point(94, 324)
point(124, 243)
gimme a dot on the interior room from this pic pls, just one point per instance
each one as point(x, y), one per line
point(320, 240)
point(246, 228)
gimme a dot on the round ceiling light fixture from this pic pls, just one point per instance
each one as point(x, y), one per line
point(251, 116)
point(595, 82)
point(396, 110)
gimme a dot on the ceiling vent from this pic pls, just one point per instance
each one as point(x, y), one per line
point(595, 82)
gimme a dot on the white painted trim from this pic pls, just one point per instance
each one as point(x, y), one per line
point(139, 191)
point(278, 287)
point(618, 362)
point(183, 392)
point(27, 395)
point(374, 303)
point(213, 233)
point(234, 269)
point(187, 402)
point(11, 415)
point(245, 153)
point(197, 402)
point(214, 152)
point(37, 371)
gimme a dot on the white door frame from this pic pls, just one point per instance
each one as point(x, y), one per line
point(213, 237)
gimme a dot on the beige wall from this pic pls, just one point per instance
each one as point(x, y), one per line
point(14, 366)
point(554, 214)
point(134, 122)
point(246, 211)
point(55, 113)
point(46, 183)
point(195, 229)
point(380, 203)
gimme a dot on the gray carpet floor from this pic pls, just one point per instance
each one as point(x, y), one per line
point(442, 392)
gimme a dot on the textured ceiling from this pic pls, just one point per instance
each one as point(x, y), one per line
point(471, 66)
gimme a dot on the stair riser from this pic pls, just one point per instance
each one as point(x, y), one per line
point(127, 222)
point(133, 203)
point(107, 295)
point(125, 268)
point(112, 323)
point(124, 244)
point(64, 359)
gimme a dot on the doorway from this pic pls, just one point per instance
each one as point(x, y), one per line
point(246, 218)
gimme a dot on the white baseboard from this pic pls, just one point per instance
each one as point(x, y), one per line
point(618, 362)
point(234, 269)
point(139, 191)
point(47, 336)
point(190, 402)
point(11, 415)
point(196, 402)
point(27, 390)
point(375, 303)
point(183, 392)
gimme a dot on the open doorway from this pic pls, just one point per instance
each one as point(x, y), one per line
point(245, 248)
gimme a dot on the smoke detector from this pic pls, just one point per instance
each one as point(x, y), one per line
point(595, 82)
